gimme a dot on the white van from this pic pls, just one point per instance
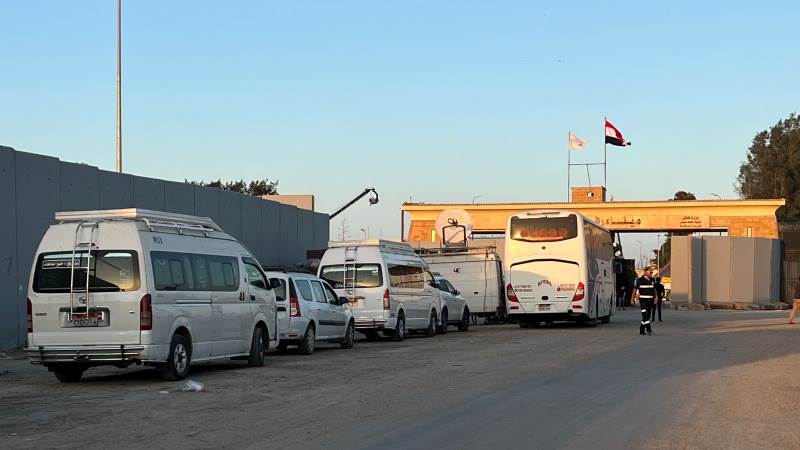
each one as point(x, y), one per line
point(163, 289)
point(390, 289)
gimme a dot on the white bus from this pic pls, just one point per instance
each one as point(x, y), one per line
point(558, 266)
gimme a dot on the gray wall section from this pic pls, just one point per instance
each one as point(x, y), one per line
point(717, 271)
point(698, 261)
point(34, 187)
point(743, 255)
point(681, 264)
point(762, 259)
point(9, 301)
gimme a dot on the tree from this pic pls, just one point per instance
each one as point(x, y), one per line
point(683, 195)
point(772, 168)
point(256, 188)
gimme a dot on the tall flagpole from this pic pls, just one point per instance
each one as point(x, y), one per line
point(605, 156)
point(569, 166)
point(119, 86)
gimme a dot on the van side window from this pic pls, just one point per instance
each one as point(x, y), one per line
point(172, 271)
point(406, 276)
point(254, 276)
point(319, 293)
point(305, 290)
point(200, 267)
point(429, 280)
point(224, 271)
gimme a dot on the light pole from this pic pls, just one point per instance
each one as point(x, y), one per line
point(119, 86)
point(475, 198)
point(658, 252)
point(366, 234)
point(640, 254)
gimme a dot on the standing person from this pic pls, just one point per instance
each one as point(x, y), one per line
point(645, 291)
point(795, 303)
point(660, 291)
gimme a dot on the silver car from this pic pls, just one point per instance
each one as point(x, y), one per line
point(454, 309)
point(309, 311)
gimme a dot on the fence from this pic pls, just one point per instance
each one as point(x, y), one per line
point(33, 187)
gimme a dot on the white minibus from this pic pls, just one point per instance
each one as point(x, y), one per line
point(558, 266)
point(133, 286)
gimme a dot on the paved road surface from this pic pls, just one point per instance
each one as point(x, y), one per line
point(713, 379)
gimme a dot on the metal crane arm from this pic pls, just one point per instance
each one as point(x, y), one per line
point(372, 200)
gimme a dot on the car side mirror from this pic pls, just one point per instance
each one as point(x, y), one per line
point(457, 292)
point(274, 283)
point(343, 300)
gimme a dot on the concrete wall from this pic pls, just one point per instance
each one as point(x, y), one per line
point(34, 187)
point(725, 269)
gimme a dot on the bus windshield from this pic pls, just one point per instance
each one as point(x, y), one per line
point(544, 229)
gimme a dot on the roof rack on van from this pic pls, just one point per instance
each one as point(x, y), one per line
point(398, 247)
point(455, 250)
point(286, 269)
point(150, 217)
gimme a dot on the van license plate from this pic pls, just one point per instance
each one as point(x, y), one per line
point(74, 323)
point(544, 307)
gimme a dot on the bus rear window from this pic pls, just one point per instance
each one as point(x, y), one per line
point(544, 229)
point(367, 276)
point(109, 271)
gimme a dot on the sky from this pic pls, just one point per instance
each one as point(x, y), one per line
point(429, 101)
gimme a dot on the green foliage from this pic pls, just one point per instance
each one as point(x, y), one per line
point(683, 195)
point(256, 188)
point(772, 169)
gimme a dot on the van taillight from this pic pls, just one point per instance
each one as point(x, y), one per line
point(511, 295)
point(387, 303)
point(30, 316)
point(294, 307)
point(145, 313)
point(578, 293)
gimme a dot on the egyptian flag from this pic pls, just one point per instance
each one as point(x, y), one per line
point(614, 137)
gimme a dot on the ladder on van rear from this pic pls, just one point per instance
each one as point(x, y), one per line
point(78, 247)
point(349, 276)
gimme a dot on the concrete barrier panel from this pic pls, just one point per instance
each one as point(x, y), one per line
point(762, 265)
point(230, 210)
point(116, 190)
point(80, 187)
point(251, 224)
point(288, 236)
point(206, 202)
point(179, 197)
point(717, 273)
point(37, 189)
point(270, 233)
point(681, 263)
point(9, 300)
point(148, 193)
point(743, 254)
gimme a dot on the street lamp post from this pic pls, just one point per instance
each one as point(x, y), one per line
point(119, 86)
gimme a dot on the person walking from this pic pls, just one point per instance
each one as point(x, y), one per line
point(645, 292)
point(795, 303)
point(660, 291)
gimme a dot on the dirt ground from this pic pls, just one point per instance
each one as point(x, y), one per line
point(710, 379)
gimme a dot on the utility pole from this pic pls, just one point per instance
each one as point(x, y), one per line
point(119, 86)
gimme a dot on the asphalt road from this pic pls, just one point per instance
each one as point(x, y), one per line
point(709, 379)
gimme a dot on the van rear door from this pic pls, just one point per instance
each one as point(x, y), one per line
point(540, 283)
point(107, 314)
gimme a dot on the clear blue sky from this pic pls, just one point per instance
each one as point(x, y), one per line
point(440, 101)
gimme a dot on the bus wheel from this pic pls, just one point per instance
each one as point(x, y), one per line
point(607, 318)
point(524, 324)
point(592, 322)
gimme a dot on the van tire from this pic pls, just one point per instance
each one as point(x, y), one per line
point(399, 329)
point(442, 329)
point(306, 346)
point(349, 336)
point(464, 324)
point(256, 358)
point(431, 330)
point(68, 373)
point(179, 359)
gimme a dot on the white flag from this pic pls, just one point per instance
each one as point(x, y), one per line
point(576, 143)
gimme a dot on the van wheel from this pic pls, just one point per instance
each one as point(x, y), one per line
point(442, 329)
point(399, 329)
point(464, 324)
point(306, 346)
point(431, 330)
point(179, 359)
point(349, 336)
point(68, 373)
point(256, 358)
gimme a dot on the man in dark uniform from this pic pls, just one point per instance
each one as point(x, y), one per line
point(660, 291)
point(645, 291)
